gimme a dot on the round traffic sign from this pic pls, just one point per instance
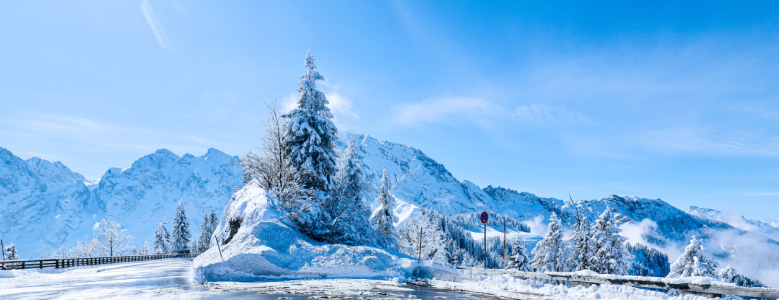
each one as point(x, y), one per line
point(484, 217)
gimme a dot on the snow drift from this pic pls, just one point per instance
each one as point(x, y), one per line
point(264, 248)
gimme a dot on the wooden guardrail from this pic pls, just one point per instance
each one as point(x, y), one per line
point(81, 261)
point(640, 281)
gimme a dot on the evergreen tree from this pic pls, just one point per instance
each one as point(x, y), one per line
point(519, 258)
point(207, 228)
point(311, 133)
point(454, 254)
point(146, 250)
point(180, 234)
point(384, 219)
point(10, 252)
point(213, 220)
point(728, 274)
point(551, 254)
point(135, 250)
point(611, 255)
point(348, 212)
point(648, 261)
point(162, 239)
point(583, 242)
point(693, 262)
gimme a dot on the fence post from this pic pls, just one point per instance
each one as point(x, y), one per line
point(41, 263)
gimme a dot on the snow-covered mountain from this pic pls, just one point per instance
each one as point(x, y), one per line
point(735, 219)
point(46, 205)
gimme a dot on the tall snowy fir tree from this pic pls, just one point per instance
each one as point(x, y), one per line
point(311, 133)
point(551, 254)
point(611, 255)
point(693, 262)
point(207, 228)
point(146, 250)
point(348, 211)
point(519, 259)
point(180, 233)
point(383, 220)
point(583, 243)
point(162, 239)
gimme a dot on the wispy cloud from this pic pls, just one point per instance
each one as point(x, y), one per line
point(734, 143)
point(156, 27)
point(484, 113)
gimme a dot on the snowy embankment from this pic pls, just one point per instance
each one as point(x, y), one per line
point(509, 287)
point(265, 249)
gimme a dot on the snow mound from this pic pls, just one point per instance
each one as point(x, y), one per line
point(264, 248)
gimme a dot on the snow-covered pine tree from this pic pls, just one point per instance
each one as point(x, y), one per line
point(311, 133)
point(213, 220)
point(146, 250)
point(693, 262)
point(551, 254)
point(10, 252)
point(204, 241)
point(162, 239)
point(383, 220)
point(135, 250)
point(519, 258)
point(583, 251)
point(454, 255)
point(180, 234)
point(350, 214)
point(611, 255)
point(728, 274)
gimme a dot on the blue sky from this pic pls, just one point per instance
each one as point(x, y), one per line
point(666, 100)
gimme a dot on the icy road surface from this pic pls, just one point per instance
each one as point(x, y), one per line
point(170, 279)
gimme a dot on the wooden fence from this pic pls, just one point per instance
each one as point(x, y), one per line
point(639, 281)
point(81, 261)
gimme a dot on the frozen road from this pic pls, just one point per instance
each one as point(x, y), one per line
point(169, 279)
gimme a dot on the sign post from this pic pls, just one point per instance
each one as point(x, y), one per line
point(484, 218)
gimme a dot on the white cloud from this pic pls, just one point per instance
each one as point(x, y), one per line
point(484, 113)
point(341, 106)
point(156, 27)
point(547, 115)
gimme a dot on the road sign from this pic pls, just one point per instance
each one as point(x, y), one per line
point(484, 217)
